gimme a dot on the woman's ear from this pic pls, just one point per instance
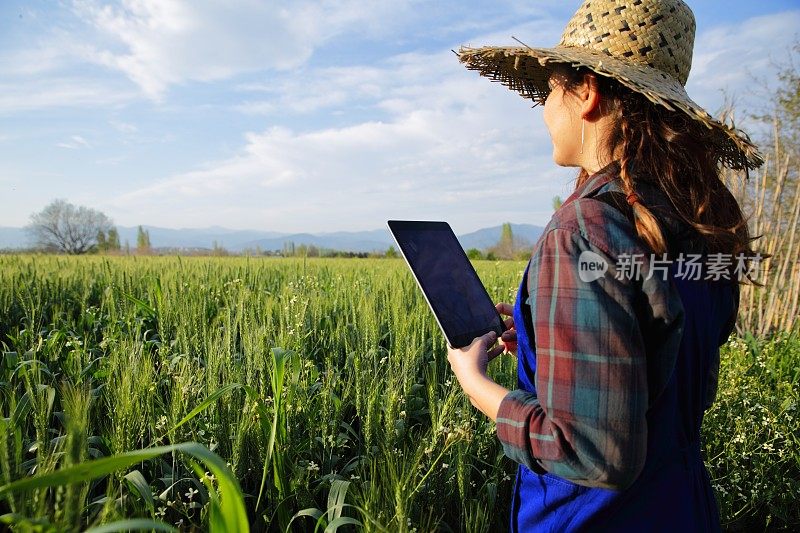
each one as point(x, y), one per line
point(589, 94)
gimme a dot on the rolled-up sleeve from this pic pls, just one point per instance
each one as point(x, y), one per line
point(587, 420)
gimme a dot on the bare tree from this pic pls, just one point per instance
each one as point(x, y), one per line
point(67, 228)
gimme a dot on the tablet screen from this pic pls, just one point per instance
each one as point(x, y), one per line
point(448, 280)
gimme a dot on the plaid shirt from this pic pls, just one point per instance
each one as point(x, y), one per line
point(604, 349)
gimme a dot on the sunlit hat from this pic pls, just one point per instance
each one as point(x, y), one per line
point(646, 45)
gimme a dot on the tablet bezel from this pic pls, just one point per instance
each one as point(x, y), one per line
point(456, 340)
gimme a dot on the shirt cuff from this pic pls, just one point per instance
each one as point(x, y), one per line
point(513, 429)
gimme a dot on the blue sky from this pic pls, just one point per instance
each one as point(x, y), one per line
point(305, 116)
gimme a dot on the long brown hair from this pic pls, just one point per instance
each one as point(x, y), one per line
point(675, 153)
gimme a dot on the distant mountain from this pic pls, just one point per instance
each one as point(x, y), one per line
point(239, 240)
point(13, 238)
point(358, 241)
point(487, 237)
point(232, 239)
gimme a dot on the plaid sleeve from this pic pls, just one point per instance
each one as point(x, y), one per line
point(586, 421)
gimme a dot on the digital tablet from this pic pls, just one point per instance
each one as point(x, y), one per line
point(451, 286)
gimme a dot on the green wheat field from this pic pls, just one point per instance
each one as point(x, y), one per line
point(161, 393)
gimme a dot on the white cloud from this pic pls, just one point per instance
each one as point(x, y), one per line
point(415, 135)
point(46, 57)
point(727, 58)
point(396, 84)
point(51, 70)
point(60, 92)
point(453, 145)
point(123, 127)
point(440, 142)
point(75, 142)
point(159, 43)
point(156, 44)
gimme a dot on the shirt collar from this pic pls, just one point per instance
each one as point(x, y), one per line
point(595, 181)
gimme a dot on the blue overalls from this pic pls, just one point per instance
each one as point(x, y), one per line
point(673, 492)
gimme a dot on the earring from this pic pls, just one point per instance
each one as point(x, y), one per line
point(583, 132)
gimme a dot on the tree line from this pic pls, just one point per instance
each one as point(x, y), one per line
point(62, 227)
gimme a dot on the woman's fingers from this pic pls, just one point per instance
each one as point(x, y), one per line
point(509, 341)
point(497, 350)
point(509, 335)
point(505, 309)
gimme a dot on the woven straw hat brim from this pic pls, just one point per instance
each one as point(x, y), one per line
point(526, 71)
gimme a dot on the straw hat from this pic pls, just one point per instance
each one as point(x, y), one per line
point(646, 45)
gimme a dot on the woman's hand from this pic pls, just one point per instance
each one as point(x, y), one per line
point(469, 365)
point(509, 338)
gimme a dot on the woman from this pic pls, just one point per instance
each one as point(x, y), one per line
point(617, 343)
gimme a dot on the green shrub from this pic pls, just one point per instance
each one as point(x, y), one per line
point(752, 434)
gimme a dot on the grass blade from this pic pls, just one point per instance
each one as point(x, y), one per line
point(137, 480)
point(341, 521)
point(213, 397)
point(336, 497)
point(136, 524)
point(231, 507)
